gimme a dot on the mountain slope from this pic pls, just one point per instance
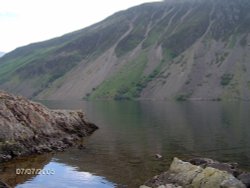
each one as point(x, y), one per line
point(1, 54)
point(186, 49)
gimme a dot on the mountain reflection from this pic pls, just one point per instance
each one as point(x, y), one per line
point(121, 152)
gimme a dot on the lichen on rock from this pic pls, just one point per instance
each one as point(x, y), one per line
point(197, 174)
point(211, 177)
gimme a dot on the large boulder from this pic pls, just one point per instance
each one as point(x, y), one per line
point(29, 127)
point(182, 172)
point(200, 174)
point(211, 177)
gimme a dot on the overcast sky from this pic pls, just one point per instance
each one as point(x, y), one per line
point(26, 21)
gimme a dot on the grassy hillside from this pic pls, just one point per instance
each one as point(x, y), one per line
point(171, 50)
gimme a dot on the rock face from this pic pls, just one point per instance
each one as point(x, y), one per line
point(28, 127)
point(200, 174)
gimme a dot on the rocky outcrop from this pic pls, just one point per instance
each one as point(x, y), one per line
point(199, 173)
point(28, 127)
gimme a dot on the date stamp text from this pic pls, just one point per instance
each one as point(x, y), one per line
point(34, 171)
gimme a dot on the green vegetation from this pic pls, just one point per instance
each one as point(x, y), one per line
point(152, 38)
point(226, 79)
point(156, 33)
point(10, 67)
point(168, 54)
point(220, 58)
point(186, 34)
point(42, 63)
point(136, 36)
point(232, 41)
point(182, 97)
point(128, 44)
point(129, 82)
point(125, 83)
point(181, 34)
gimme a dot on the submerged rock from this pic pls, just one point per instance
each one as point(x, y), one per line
point(28, 127)
point(199, 174)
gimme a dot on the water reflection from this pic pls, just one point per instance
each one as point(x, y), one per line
point(71, 175)
point(122, 150)
point(8, 170)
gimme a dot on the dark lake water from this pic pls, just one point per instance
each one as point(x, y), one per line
point(121, 153)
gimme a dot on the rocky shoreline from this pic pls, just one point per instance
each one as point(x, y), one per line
point(200, 173)
point(30, 128)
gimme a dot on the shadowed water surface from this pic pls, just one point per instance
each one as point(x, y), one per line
point(121, 153)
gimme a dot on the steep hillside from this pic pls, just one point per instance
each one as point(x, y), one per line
point(1, 54)
point(186, 49)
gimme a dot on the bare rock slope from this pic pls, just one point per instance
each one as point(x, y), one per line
point(168, 50)
point(28, 127)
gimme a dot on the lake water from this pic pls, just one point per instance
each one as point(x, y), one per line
point(122, 152)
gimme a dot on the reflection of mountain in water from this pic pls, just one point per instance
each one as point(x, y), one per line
point(122, 150)
point(132, 132)
point(192, 127)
